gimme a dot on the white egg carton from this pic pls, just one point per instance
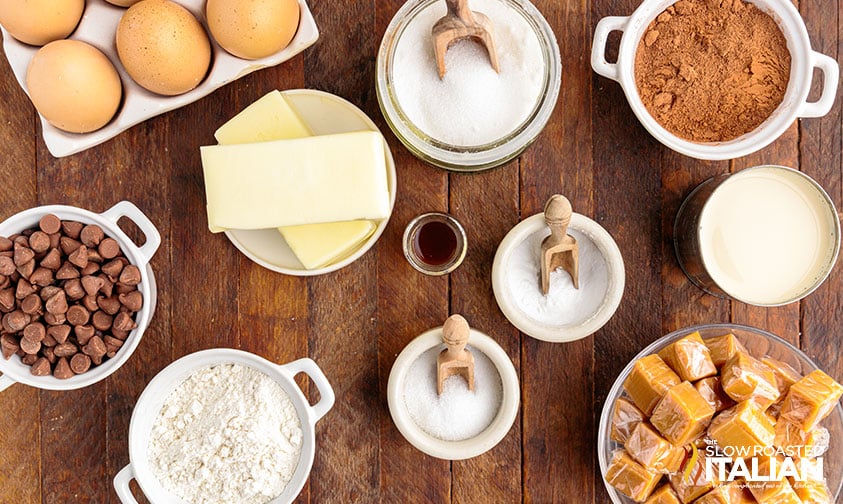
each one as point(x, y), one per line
point(98, 26)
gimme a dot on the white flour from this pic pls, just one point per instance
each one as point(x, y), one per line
point(228, 434)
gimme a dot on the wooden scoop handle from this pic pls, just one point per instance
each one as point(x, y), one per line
point(460, 9)
point(557, 216)
point(455, 332)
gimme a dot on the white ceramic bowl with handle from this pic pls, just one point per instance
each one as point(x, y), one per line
point(140, 255)
point(794, 105)
point(155, 394)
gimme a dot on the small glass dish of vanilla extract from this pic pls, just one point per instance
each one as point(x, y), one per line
point(435, 243)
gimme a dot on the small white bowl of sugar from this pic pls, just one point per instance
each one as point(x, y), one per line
point(459, 423)
point(221, 426)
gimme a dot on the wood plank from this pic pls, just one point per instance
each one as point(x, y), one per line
point(20, 468)
point(820, 146)
point(342, 306)
point(557, 379)
point(487, 206)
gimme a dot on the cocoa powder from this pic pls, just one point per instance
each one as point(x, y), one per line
point(712, 70)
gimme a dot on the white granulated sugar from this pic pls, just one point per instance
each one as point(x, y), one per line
point(227, 434)
point(458, 413)
point(564, 305)
point(472, 105)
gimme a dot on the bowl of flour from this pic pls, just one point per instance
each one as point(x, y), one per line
point(221, 426)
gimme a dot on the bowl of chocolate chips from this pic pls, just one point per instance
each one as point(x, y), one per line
point(76, 294)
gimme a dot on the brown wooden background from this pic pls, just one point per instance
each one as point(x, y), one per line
point(67, 446)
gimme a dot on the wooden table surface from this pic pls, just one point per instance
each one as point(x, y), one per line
point(59, 447)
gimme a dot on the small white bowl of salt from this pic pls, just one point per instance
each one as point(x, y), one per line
point(475, 409)
point(577, 303)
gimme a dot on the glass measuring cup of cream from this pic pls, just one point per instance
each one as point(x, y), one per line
point(766, 236)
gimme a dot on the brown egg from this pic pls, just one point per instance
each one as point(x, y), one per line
point(37, 22)
point(123, 3)
point(73, 85)
point(253, 29)
point(163, 47)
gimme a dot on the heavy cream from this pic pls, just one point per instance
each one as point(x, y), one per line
point(767, 235)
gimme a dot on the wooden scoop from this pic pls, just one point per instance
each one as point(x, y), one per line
point(559, 249)
point(461, 23)
point(455, 360)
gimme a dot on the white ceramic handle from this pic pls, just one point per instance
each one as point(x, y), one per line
point(121, 485)
point(598, 47)
point(831, 76)
point(129, 210)
point(6, 382)
point(326, 392)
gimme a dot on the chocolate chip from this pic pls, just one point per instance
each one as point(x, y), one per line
point(57, 303)
point(50, 224)
point(102, 321)
point(77, 315)
point(94, 256)
point(48, 292)
point(110, 305)
point(124, 322)
point(80, 363)
point(7, 300)
point(132, 300)
point(15, 321)
point(72, 229)
point(119, 334)
point(31, 304)
point(27, 268)
point(74, 289)
point(90, 269)
point(67, 271)
point(69, 245)
point(79, 257)
point(91, 235)
point(28, 359)
point(130, 275)
point(95, 347)
point(55, 240)
point(112, 343)
point(49, 341)
point(29, 346)
point(34, 331)
point(90, 303)
point(65, 349)
point(39, 242)
point(54, 319)
point(62, 370)
point(52, 261)
point(41, 277)
point(7, 265)
point(92, 284)
point(83, 333)
point(49, 354)
point(109, 248)
point(23, 254)
point(24, 289)
point(6, 244)
point(41, 367)
point(9, 346)
point(59, 332)
point(114, 268)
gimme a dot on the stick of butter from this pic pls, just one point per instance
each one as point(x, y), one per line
point(318, 245)
point(300, 181)
point(269, 118)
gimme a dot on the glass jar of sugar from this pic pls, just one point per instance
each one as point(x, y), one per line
point(473, 118)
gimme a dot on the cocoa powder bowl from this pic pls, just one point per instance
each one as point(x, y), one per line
point(794, 105)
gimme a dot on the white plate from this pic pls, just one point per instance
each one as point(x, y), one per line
point(324, 114)
point(98, 26)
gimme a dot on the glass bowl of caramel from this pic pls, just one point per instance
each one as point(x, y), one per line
point(719, 413)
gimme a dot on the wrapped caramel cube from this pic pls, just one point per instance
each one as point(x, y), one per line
point(689, 358)
point(784, 373)
point(722, 348)
point(742, 426)
point(648, 381)
point(653, 451)
point(745, 377)
point(625, 418)
point(810, 400)
point(772, 492)
point(696, 484)
point(663, 495)
point(798, 443)
point(812, 492)
point(682, 414)
point(711, 390)
point(631, 478)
